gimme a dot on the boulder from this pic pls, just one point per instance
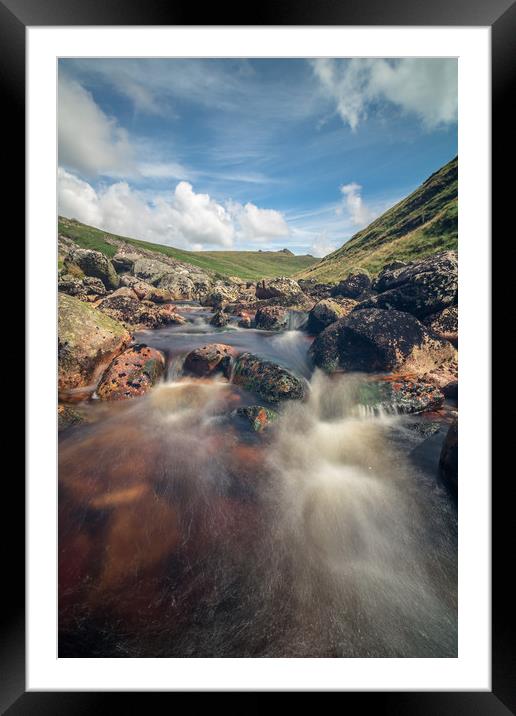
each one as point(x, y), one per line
point(81, 287)
point(179, 286)
point(87, 341)
point(129, 309)
point(270, 381)
point(220, 295)
point(256, 417)
point(374, 340)
point(286, 289)
point(272, 318)
point(124, 263)
point(445, 324)
point(151, 270)
point(327, 311)
point(132, 373)
point(449, 461)
point(422, 288)
point(124, 291)
point(146, 291)
point(399, 395)
point(96, 264)
point(354, 286)
point(219, 319)
point(212, 358)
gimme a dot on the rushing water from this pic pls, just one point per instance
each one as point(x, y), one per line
point(181, 534)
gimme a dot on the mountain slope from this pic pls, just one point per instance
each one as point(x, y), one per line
point(251, 265)
point(423, 223)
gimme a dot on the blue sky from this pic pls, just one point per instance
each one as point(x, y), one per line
point(248, 154)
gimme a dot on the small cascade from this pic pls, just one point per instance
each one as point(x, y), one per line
point(175, 367)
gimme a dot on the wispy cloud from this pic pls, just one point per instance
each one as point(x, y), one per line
point(424, 87)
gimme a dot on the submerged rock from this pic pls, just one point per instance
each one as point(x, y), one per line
point(374, 340)
point(400, 395)
point(256, 416)
point(421, 288)
point(94, 263)
point(212, 358)
point(269, 380)
point(272, 318)
point(87, 341)
point(132, 373)
point(449, 461)
point(67, 417)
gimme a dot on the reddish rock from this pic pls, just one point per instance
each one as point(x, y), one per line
point(212, 358)
point(132, 374)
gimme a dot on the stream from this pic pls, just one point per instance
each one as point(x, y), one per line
point(184, 534)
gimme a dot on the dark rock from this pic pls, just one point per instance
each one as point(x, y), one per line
point(212, 358)
point(445, 324)
point(124, 263)
point(373, 340)
point(326, 312)
point(129, 309)
point(354, 286)
point(219, 319)
point(421, 288)
point(132, 373)
point(270, 381)
point(449, 460)
point(271, 318)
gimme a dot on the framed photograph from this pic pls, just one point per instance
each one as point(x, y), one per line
point(258, 276)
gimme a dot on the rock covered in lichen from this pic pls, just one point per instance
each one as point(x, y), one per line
point(269, 380)
point(132, 373)
point(87, 341)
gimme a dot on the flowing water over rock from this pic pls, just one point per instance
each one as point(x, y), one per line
point(183, 534)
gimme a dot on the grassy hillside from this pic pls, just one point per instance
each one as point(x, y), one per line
point(423, 223)
point(252, 265)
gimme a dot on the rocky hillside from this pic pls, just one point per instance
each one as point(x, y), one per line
point(248, 265)
point(422, 224)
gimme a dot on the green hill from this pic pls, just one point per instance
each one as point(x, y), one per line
point(423, 223)
point(251, 265)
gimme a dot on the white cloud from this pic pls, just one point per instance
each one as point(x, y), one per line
point(358, 212)
point(322, 246)
point(257, 224)
point(425, 87)
point(89, 141)
point(181, 218)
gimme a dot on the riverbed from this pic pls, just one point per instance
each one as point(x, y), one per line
point(183, 533)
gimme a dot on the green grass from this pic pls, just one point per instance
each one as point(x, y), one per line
point(421, 224)
point(251, 265)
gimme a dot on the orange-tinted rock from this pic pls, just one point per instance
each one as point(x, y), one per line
point(214, 357)
point(132, 374)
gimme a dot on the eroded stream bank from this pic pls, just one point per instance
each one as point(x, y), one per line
point(183, 532)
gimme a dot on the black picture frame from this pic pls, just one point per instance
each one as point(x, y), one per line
point(500, 15)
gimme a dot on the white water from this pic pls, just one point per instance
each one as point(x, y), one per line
point(318, 539)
